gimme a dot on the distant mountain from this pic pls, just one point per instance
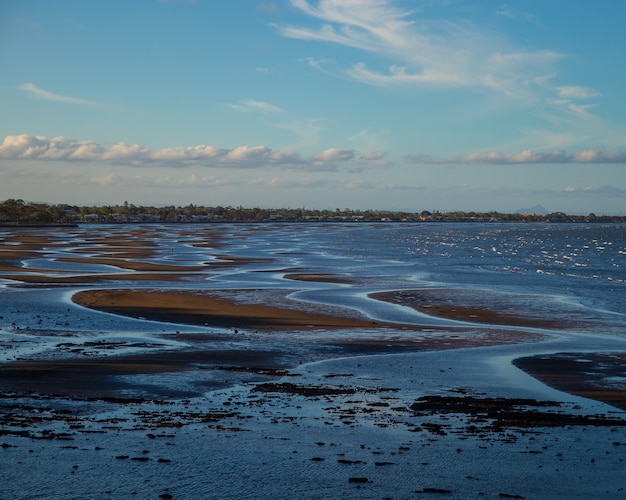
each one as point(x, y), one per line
point(537, 210)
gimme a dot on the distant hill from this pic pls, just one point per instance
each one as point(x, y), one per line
point(537, 210)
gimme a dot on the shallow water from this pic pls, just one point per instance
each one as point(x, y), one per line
point(270, 445)
point(557, 269)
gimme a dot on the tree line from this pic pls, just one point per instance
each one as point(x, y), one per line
point(20, 212)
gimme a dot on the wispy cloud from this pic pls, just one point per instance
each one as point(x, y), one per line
point(250, 105)
point(604, 190)
point(283, 183)
point(569, 99)
point(528, 157)
point(67, 149)
point(422, 51)
point(39, 93)
point(576, 92)
point(512, 13)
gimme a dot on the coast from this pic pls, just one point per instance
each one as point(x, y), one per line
point(153, 352)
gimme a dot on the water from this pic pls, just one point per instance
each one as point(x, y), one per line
point(283, 446)
point(570, 272)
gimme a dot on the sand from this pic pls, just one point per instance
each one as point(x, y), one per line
point(213, 310)
point(457, 305)
point(594, 376)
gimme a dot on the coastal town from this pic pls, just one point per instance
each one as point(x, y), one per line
point(17, 212)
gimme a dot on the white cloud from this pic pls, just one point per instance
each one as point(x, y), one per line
point(320, 64)
point(360, 185)
point(282, 183)
point(28, 147)
point(35, 91)
point(405, 187)
point(250, 105)
point(599, 155)
point(566, 100)
point(335, 154)
point(604, 190)
point(528, 156)
point(143, 181)
point(107, 180)
point(421, 51)
point(576, 92)
point(507, 11)
point(67, 149)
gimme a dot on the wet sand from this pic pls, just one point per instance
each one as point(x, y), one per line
point(457, 305)
point(600, 377)
point(212, 310)
point(99, 377)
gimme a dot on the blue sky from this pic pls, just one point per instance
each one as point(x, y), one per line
point(384, 104)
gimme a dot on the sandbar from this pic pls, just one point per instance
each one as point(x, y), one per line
point(597, 376)
point(457, 305)
point(99, 376)
point(212, 309)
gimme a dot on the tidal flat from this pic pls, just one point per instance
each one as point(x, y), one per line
point(313, 361)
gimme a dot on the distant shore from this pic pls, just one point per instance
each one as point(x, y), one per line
point(28, 226)
point(24, 213)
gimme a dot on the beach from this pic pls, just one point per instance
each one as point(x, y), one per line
point(132, 350)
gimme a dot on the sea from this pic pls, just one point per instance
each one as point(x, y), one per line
point(557, 271)
point(228, 441)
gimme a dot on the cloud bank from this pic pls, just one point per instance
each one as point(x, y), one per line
point(68, 149)
point(528, 157)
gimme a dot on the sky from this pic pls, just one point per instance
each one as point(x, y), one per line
point(362, 104)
